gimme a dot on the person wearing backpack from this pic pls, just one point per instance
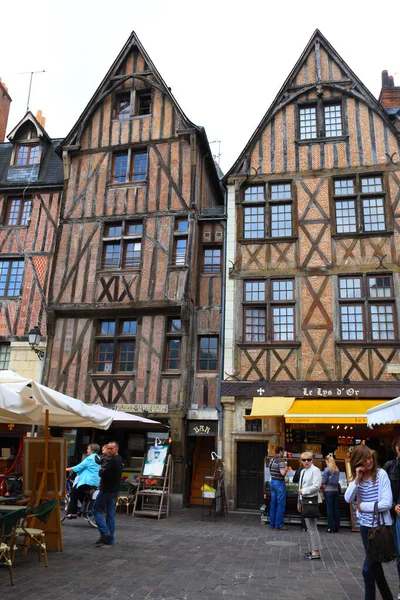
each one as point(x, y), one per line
point(392, 468)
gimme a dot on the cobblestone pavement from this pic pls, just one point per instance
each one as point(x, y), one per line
point(185, 558)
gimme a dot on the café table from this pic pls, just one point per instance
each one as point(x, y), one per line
point(10, 507)
point(5, 499)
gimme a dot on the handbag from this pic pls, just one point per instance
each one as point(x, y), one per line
point(380, 544)
point(309, 504)
point(309, 507)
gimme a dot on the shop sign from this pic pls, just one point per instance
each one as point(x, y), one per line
point(328, 420)
point(326, 392)
point(139, 408)
point(203, 428)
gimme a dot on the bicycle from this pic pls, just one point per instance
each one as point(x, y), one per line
point(84, 507)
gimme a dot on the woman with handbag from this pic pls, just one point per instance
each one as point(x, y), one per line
point(370, 485)
point(330, 479)
point(309, 498)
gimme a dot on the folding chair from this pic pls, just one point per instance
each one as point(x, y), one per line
point(8, 526)
point(34, 535)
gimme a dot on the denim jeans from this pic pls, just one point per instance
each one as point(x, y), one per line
point(396, 535)
point(278, 503)
point(105, 504)
point(332, 508)
point(373, 573)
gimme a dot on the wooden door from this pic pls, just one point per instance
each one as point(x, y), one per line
point(250, 474)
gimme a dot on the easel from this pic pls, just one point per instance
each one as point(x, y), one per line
point(153, 499)
point(41, 490)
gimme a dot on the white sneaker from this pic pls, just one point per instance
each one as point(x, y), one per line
point(398, 596)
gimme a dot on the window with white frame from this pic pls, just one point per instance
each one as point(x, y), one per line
point(360, 204)
point(269, 310)
point(268, 211)
point(367, 308)
point(180, 244)
point(320, 120)
point(122, 245)
point(11, 276)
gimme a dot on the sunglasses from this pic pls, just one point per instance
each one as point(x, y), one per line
point(306, 459)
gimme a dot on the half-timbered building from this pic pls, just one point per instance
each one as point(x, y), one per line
point(31, 183)
point(135, 302)
point(312, 309)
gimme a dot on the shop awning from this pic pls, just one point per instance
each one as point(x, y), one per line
point(330, 411)
point(274, 406)
point(388, 412)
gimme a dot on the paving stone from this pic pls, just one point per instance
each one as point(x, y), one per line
point(185, 558)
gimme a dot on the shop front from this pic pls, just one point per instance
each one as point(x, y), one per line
point(324, 418)
point(202, 428)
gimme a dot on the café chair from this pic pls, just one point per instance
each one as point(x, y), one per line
point(33, 535)
point(126, 496)
point(8, 525)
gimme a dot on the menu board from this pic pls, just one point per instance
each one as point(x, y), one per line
point(155, 461)
point(302, 436)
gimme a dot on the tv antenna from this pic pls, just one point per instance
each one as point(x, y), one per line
point(218, 156)
point(31, 73)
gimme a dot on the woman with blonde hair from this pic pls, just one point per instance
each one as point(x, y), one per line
point(309, 487)
point(88, 471)
point(330, 479)
point(370, 485)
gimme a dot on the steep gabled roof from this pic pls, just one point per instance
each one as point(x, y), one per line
point(290, 91)
point(108, 85)
point(41, 133)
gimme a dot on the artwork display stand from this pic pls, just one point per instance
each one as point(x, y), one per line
point(153, 494)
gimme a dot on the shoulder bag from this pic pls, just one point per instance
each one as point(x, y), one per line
point(309, 504)
point(380, 544)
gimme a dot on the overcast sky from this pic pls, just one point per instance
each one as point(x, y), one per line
point(224, 60)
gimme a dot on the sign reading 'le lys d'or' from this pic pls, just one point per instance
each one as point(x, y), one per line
point(326, 392)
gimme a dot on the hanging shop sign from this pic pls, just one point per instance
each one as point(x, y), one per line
point(315, 389)
point(139, 408)
point(203, 428)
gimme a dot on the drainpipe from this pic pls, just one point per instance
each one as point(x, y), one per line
point(221, 346)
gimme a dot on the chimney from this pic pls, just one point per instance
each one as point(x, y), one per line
point(390, 94)
point(5, 102)
point(40, 118)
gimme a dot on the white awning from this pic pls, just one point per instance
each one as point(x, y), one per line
point(388, 412)
point(25, 402)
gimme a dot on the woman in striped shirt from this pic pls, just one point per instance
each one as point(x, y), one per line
point(369, 485)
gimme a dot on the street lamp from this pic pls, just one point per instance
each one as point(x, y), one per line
point(34, 338)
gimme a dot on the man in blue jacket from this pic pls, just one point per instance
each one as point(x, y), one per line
point(104, 505)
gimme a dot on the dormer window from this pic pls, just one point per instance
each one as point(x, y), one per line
point(27, 154)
